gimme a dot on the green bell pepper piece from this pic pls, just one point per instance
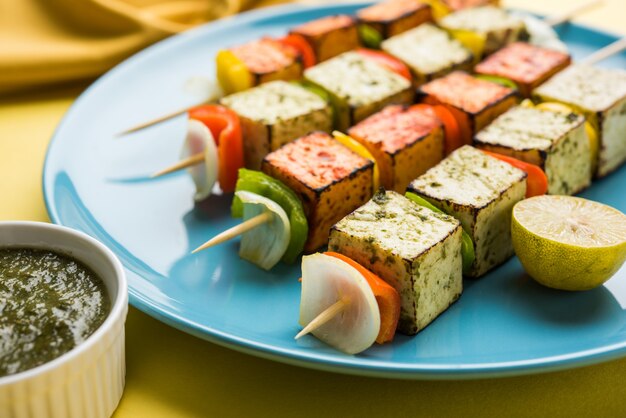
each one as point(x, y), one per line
point(503, 81)
point(264, 185)
point(467, 246)
point(370, 37)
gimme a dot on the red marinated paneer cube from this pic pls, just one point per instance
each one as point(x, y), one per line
point(268, 59)
point(330, 179)
point(405, 141)
point(475, 103)
point(392, 17)
point(330, 36)
point(525, 64)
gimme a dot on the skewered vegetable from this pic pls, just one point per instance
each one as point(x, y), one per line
point(266, 186)
point(330, 282)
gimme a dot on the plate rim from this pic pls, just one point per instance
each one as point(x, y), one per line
point(316, 360)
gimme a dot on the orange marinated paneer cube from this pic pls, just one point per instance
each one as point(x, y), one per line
point(330, 179)
point(405, 141)
point(475, 103)
point(525, 64)
point(330, 35)
point(392, 17)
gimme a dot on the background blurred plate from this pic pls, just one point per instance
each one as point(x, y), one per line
point(504, 323)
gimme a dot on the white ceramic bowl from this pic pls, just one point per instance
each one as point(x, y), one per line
point(87, 381)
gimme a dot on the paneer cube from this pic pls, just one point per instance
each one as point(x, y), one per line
point(275, 113)
point(495, 26)
point(414, 249)
point(600, 94)
point(393, 17)
point(405, 141)
point(429, 52)
point(359, 86)
point(267, 59)
point(556, 142)
point(480, 191)
point(330, 179)
point(475, 103)
point(330, 36)
point(525, 64)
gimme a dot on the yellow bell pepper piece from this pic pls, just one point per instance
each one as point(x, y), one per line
point(592, 133)
point(232, 73)
point(473, 41)
point(439, 9)
point(355, 146)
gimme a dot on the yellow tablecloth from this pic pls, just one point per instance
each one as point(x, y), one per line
point(171, 374)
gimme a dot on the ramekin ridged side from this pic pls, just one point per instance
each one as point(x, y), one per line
point(87, 381)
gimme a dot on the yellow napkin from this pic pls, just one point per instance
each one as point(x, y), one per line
point(44, 41)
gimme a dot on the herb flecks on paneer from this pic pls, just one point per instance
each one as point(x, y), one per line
point(359, 86)
point(430, 52)
point(405, 141)
point(275, 113)
point(554, 141)
point(414, 249)
point(392, 17)
point(600, 94)
point(480, 191)
point(330, 179)
point(525, 64)
point(330, 36)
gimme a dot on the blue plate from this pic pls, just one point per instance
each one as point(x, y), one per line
point(504, 324)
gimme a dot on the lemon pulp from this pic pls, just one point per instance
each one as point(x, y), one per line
point(568, 242)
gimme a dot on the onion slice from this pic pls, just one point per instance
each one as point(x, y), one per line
point(200, 140)
point(326, 280)
point(265, 244)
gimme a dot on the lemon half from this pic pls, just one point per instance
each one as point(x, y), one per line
point(567, 242)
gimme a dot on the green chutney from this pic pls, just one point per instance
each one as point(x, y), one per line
point(49, 303)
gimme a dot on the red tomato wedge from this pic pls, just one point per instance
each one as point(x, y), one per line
point(537, 181)
point(452, 133)
point(387, 61)
point(302, 46)
point(386, 296)
point(226, 129)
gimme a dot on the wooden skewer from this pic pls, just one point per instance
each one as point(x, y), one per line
point(236, 230)
point(187, 162)
point(325, 316)
point(156, 120)
point(569, 14)
point(605, 52)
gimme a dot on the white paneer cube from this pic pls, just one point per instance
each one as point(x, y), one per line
point(274, 114)
point(412, 248)
point(556, 142)
point(430, 52)
point(600, 94)
point(494, 25)
point(359, 86)
point(480, 191)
